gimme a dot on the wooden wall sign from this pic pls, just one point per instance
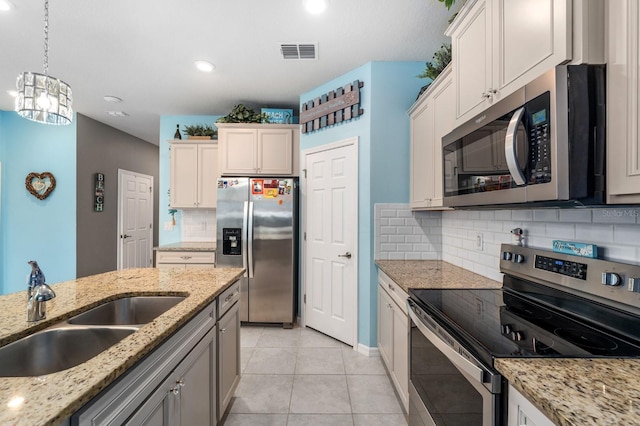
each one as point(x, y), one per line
point(334, 107)
point(98, 202)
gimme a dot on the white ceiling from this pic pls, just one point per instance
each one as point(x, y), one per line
point(143, 51)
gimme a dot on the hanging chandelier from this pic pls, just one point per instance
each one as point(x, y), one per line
point(43, 98)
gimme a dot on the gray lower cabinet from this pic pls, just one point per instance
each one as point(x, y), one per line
point(228, 347)
point(188, 380)
point(186, 396)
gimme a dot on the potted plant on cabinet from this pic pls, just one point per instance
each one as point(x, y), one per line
point(201, 131)
point(243, 114)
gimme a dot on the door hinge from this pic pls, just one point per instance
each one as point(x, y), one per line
point(304, 297)
point(304, 236)
point(150, 190)
point(305, 172)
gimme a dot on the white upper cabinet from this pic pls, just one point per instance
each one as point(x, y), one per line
point(623, 98)
point(500, 45)
point(194, 172)
point(432, 117)
point(258, 149)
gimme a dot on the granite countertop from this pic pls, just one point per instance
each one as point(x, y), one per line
point(433, 274)
point(585, 392)
point(51, 398)
point(187, 246)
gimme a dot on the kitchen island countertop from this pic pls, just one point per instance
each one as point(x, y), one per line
point(51, 398)
point(584, 391)
point(433, 274)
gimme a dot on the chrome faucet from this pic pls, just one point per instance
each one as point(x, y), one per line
point(38, 292)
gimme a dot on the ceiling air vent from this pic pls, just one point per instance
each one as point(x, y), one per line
point(299, 50)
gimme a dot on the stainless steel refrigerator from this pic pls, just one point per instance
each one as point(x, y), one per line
point(257, 229)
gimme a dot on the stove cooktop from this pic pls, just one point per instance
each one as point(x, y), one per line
point(498, 323)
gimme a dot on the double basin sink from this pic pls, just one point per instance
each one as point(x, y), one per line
point(80, 338)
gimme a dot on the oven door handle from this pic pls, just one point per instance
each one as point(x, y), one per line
point(473, 371)
point(510, 143)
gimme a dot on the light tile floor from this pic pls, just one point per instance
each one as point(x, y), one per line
point(301, 377)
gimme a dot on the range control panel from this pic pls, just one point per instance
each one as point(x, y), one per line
point(565, 267)
point(609, 281)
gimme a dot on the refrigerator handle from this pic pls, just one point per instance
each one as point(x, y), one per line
point(250, 238)
point(245, 221)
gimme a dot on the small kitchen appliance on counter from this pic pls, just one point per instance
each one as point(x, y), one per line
point(257, 229)
point(551, 305)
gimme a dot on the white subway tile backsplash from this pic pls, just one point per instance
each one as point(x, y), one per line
point(545, 215)
point(574, 216)
point(615, 215)
point(198, 225)
point(450, 235)
point(410, 235)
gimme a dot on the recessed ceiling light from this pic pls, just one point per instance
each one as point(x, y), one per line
point(117, 113)
point(315, 6)
point(5, 5)
point(113, 99)
point(204, 66)
point(12, 93)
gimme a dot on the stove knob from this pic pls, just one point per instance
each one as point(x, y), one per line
point(611, 278)
point(518, 258)
point(507, 255)
point(517, 336)
point(633, 284)
point(506, 329)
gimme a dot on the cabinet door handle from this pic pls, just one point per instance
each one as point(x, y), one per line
point(175, 390)
point(185, 257)
point(223, 330)
point(180, 383)
point(391, 287)
point(389, 305)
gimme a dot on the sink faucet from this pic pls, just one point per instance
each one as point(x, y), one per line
point(38, 292)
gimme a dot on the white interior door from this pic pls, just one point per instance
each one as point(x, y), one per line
point(135, 220)
point(331, 252)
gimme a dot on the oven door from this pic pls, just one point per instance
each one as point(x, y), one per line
point(448, 386)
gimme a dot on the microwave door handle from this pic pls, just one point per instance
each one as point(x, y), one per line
point(473, 371)
point(510, 142)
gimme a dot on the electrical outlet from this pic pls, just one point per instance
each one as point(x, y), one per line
point(479, 307)
point(479, 241)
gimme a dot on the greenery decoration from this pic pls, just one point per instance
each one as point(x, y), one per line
point(440, 60)
point(448, 3)
point(243, 114)
point(201, 130)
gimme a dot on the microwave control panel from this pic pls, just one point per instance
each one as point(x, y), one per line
point(539, 139)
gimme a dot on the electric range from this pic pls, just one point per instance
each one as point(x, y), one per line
point(551, 305)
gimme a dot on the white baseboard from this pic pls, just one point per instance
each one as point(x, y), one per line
point(368, 351)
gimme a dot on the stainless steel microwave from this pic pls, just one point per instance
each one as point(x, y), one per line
point(543, 144)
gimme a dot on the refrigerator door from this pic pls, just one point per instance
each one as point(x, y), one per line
point(231, 231)
point(273, 255)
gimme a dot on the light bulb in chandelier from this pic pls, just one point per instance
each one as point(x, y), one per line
point(43, 101)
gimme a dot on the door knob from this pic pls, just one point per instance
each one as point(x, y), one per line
point(347, 255)
point(125, 236)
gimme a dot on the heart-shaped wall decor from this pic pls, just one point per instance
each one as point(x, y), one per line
point(40, 185)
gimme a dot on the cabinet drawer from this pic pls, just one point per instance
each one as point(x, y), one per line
point(185, 257)
point(228, 298)
point(398, 295)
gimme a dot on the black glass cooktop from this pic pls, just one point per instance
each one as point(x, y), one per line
point(528, 320)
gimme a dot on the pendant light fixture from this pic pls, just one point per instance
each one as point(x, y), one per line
point(43, 98)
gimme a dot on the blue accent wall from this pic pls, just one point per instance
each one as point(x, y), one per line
point(27, 222)
point(167, 130)
point(390, 88)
